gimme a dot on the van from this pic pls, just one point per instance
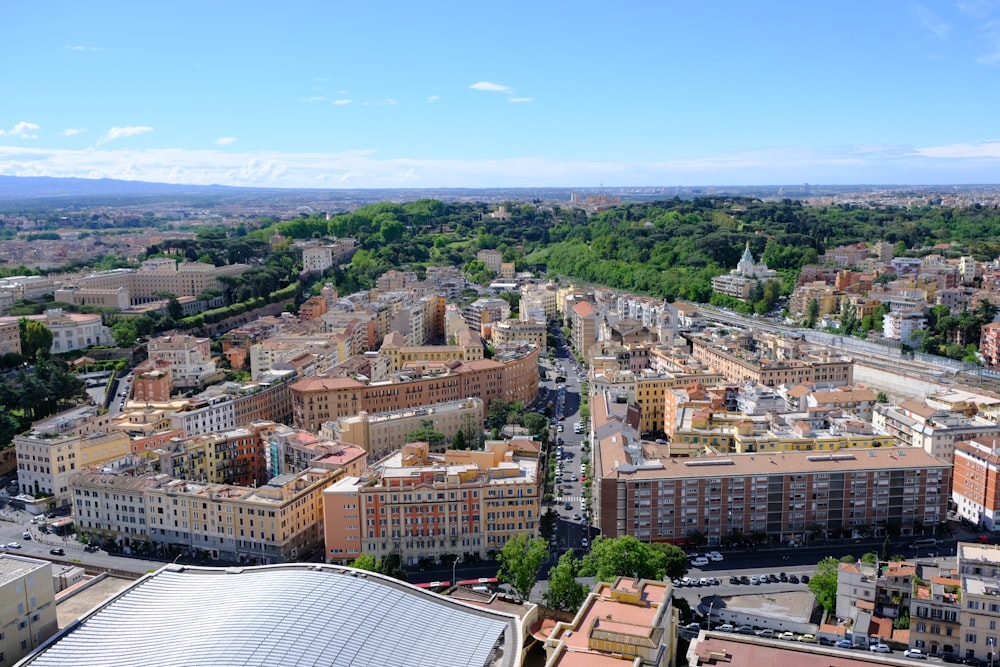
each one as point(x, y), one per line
point(925, 543)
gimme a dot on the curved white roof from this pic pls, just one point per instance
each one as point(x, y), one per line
point(278, 615)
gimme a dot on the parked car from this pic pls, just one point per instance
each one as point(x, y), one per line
point(714, 556)
point(726, 627)
point(734, 580)
point(914, 653)
point(766, 633)
point(745, 630)
point(792, 579)
point(787, 635)
point(782, 577)
point(745, 580)
point(755, 581)
point(91, 548)
point(951, 658)
point(880, 648)
point(13, 545)
point(25, 535)
point(844, 643)
point(58, 551)
point(701, 561)
point(804, 578)
point(808, 638)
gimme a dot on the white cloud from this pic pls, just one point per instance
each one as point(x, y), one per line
point(517, 100)
point(491, 87)
point(72, 131)
point(128, 131)
point(985, 149)
point(431, 99)
point(960, 163)
point(314, 99)
point(79, 48)
point(225, 141)
point(342, 103)
point(23, 129)
point(929, 21)
point(391, 102)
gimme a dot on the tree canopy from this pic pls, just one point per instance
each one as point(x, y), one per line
point(520, 560)
point(564, 591)
point(610, 558)
point(823, 584)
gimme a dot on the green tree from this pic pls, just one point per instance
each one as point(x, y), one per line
point(565, 592)
point(676, 560)
point(9, 427)
point(458, 441)
point(535, 422)
point(174, 309)
point(520, 560)
point(823, 583)
point(882, 397)
point(813, 313)
point(870, 558)
point(365, 562)
point(36, 338)
point(426, 433)
point(610, 558)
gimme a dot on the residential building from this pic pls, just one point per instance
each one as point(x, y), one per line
point(511, 375)
point(468, 347)
point(979, 571)
point(902, 325)
point(151, 381)
point(27, 606)
point(516, 332)
point(792, 497)
point(10, 338)
point(383, 433)
point(485, 311)
point(191, 363)
point(49, 454)
point(976, 486)
point(743, 360)
point(935, 614)
point(422, 505)
point(989, 344)
point(292, 450)
point(161, 275)
point(936, 430)
point(491, 258)
point(313, 308)
point(231, 405)
point(278, 522)
point(583, 326)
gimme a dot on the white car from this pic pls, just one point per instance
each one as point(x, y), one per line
point(13, 545)
point(714, 556)
point(914, 653)
point(701, 561)
point(880, 648)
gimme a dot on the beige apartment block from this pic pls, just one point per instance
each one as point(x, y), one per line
point(27, 606)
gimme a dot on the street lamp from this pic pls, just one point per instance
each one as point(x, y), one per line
point(453, 564)
point(991, 642)
point(711, 607)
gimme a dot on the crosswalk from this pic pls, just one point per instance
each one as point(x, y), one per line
point(570, 499)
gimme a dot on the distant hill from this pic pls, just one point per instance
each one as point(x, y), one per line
point(43, 187)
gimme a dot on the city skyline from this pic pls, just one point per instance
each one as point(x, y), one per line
point(519, 95)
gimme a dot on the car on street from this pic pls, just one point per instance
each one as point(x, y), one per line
point(700, 561)
point(734, 580)
point(714, 556)
point(844, 643)
point(766, 633)
point(787, 636)
point(745, 580)
point(13, 545)
point(804, 578)
point(754, 580)
point(808, 638)
point(914, 653)
point(25, 535)
point(91, 548)
point(951, 658)
point(726, 627)
point(793, 579)
point(58, 551)
point(880, 648)
point(745, 630)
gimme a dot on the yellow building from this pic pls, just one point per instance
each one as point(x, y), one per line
point(278, 522)
point(468, 347)
point(383, 433)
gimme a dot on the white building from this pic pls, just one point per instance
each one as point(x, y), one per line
point(902, 325)
point(191, 363)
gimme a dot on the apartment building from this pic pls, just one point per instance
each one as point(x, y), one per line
point(422, 505)
point(935, 614)
point(936, 430)
point(46, 459)
point(10, 338)
point(27, 606)
point(976, 486)
point(979, 571)
point(745, 360)
point(159, 275)
point(583, 326)
point(511, 375)
point(468, 347)
point(516, 332)
point(485, 311)
point(383, 433)
point(989, 344)
point(152, 381)
point(791, 497)
point(281, 350)
point(190, 358)
point(293, 450)
point(539, 296)
point(491, 258)
point(232, 405)
point(278, 522)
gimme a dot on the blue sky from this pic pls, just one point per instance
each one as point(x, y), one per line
point(465, 94)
